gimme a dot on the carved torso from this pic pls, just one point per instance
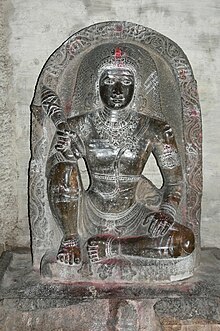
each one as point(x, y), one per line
point(115, 157)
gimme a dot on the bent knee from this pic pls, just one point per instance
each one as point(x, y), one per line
point(64, 174)
point(188, 241)
point(65, 194)
point(64, 184)
point(184, 241)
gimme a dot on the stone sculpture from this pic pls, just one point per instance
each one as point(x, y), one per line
point(120, 102)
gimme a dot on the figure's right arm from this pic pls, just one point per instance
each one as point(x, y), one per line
point(67, 141)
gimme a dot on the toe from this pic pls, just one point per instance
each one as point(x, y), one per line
point(66, 259)
point(60, 257)
point(76, 260)
point(71, 259)
point(77, 257)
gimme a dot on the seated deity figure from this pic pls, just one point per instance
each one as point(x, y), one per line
point(106, 221)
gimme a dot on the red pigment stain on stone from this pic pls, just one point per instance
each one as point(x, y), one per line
point(118, 53)
point(194, 113)
point(182, 74)
point(119, 28)
point(68, 108)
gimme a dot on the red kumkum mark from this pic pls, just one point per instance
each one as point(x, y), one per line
point(118, 53)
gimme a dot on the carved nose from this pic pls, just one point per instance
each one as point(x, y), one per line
point(117, 89)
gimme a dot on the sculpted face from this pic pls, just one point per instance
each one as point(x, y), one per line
point(116, 87)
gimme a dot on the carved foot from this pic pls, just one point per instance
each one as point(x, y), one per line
point(102, 248)
point(69, 251)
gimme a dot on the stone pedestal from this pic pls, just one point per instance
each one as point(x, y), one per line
point(145, 270)
point(29, 302)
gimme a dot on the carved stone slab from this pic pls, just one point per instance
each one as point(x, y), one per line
point(69, 72)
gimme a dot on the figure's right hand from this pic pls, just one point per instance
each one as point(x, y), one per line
point(63, 140)
point(66, 143)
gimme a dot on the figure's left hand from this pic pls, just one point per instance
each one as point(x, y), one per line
point(158, 224)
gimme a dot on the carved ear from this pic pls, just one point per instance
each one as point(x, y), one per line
point(168, 134)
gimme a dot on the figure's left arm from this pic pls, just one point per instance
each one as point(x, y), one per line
point(168, 159)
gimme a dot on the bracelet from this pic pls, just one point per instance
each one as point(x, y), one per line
point(169, 209)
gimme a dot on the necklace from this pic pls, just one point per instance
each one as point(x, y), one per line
point(118, 133)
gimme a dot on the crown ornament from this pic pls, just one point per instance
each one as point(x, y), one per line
point(119, 58)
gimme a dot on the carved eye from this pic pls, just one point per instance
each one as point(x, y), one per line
point(126, 82)
point(108, 81)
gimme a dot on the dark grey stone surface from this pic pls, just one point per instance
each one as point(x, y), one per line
point(111, 221)
point(26, 299)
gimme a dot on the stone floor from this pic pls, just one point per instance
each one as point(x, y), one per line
point(28, 302)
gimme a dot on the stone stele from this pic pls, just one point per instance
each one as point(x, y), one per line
point(108, 97)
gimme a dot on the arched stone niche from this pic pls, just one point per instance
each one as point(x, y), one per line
point(70, 72)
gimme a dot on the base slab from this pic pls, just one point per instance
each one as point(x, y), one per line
point(30, 302)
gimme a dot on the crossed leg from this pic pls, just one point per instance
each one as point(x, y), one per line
point(162, 240)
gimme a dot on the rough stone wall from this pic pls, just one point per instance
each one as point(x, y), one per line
point(32, 30)
point(9, 224)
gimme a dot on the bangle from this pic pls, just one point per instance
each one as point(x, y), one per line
point(169, 209)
